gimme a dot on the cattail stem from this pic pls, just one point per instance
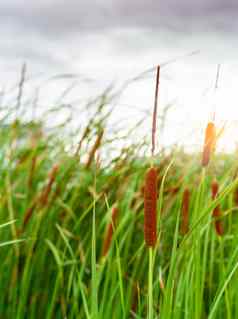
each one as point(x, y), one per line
point(150, 284)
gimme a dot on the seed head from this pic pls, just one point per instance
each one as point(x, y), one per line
point(209, 143)
point(46, 191)
point(150, 207)
point(94, 149)
point(236, 196)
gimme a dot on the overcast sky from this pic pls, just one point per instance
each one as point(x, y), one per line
point(112, 40)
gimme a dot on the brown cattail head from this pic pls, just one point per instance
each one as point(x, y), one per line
point(46, 191)
point(85, 134)
point(94, 149)
point(109, 231)
point(185, 211)
point(150, 207)
point(28, 214)
point(209, 143)
point(135, 297)
point(215, 189)
point(235, 196)
point(216, 211)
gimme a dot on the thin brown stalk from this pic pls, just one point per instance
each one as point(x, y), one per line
point(154, 123)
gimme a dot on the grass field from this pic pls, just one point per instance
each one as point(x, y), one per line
point(71, 227)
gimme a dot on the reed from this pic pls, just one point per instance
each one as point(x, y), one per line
point(150, 203)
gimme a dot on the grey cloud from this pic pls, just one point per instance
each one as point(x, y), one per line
point(60, 17)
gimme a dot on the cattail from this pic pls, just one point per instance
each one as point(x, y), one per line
point(85, 134)
point(151, 180)
point(42, 199)
point(135, 297)
point(109, 232)
point(46, 191)
point(209, 143)
point(216, 211)
point(94, 148)
point(185, 211)
point(235, 196)
point(28, 213)
point(150, 207)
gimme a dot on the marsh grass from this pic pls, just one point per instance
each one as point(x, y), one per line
point(51, 263)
